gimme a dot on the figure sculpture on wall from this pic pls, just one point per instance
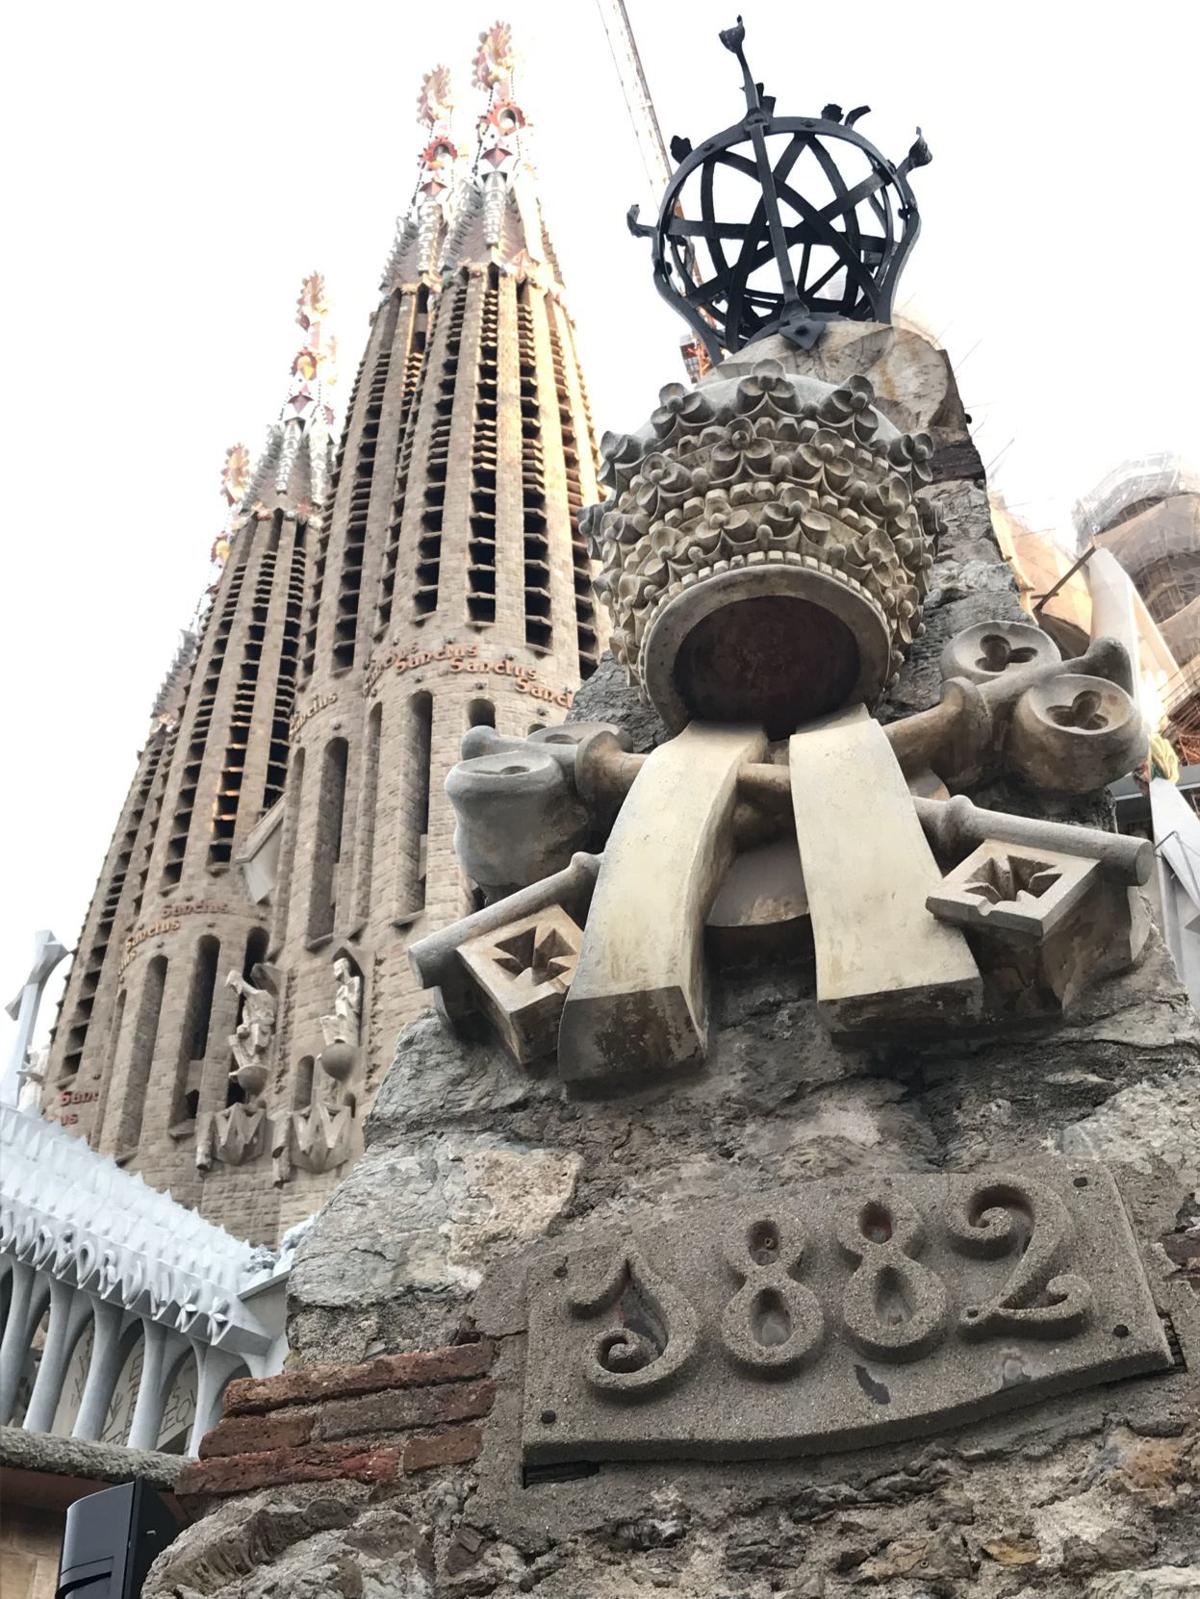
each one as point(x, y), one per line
point(343, 1026)
point(320, 1136)
point(255, 1030)
point(239, 1132)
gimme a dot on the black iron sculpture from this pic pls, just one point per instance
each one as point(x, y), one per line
point(799, 260)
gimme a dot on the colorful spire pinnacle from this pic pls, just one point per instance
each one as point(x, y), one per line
point(313, 369)
point(501, 124)
point(435, 111)
point(305, 413)
point(420, 230)
point(235, 484)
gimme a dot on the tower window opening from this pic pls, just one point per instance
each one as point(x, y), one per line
point(197, 1022)
point(185, 802)
point(447, 343)
point(368, 808)
point(302, 1085)
point(539, 631)
point(327, 849)
point(229, 784)
point(585, 605)
point(141, 1058)
point(413, 832)
point(285, 679)
point(101, 935)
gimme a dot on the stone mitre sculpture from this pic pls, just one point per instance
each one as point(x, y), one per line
point(765, 549)
point(788, 474)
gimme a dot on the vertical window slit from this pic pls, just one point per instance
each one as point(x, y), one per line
point(414, 802)
point(327, 846)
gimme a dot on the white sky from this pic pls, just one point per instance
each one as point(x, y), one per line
point(174, 171)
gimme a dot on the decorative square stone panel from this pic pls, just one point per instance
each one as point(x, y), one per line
point(1003, 888)
point(523, 972)
point(835, 1315)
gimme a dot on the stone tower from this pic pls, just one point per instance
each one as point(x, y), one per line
point(451, 588)
point(243, 973)
point(140, 1059)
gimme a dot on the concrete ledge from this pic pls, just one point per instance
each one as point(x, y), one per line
point(43, 1472)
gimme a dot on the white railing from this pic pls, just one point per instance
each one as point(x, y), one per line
point(124, 1314)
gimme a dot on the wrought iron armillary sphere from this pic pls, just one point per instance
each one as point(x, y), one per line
point(827, 224)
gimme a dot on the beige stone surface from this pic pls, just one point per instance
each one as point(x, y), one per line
point(637, 1005)
point(30, 1541)
point(912, 378)
point(881, 955)
point(441, 585)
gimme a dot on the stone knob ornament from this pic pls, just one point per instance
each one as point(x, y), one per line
point(518, 817)
point(251, 1079)
point(990, 649)
point(1072, 733)
point(338, 1060)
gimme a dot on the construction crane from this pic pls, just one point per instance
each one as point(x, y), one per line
point(648, 133)
point(651, 146)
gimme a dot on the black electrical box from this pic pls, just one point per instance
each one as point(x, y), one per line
point(110, 1541)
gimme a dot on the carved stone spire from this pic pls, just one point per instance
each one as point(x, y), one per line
point(497, 218)
point(420, 232)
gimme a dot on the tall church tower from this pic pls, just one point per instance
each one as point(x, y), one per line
point(140, 1059)
point(294, 835)
point(454, 587)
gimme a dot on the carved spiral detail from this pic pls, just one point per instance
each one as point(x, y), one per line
point(1030, 1221)
point(655, 1335)
point(621, 1349)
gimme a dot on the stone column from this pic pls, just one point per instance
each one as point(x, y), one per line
point(214, 1368)
point(68, 1313)
point(16, 1335)
point(157, 1364)
point(103, 1371)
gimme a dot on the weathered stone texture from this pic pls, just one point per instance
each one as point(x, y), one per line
point(473, 1163)
point(312, 1542)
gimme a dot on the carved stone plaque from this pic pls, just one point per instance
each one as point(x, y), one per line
point(835, 1315)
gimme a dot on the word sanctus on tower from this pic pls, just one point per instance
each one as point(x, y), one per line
point(242, 976)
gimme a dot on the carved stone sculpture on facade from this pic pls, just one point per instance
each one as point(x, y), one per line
point(240, 1131)
point(342, 1027)
point(765, 549)
point(320, 1135)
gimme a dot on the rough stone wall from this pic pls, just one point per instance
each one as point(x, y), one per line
point(473, 1164)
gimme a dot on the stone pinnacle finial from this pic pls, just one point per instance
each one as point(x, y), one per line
point(421, 228)
point(313, 369)
point(501, 125)
point(435, 114)
point(305, 414)
point(235, 483)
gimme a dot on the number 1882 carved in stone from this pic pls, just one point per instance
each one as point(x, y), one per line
point(834, 1315)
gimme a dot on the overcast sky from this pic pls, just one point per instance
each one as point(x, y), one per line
point(174, 172)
